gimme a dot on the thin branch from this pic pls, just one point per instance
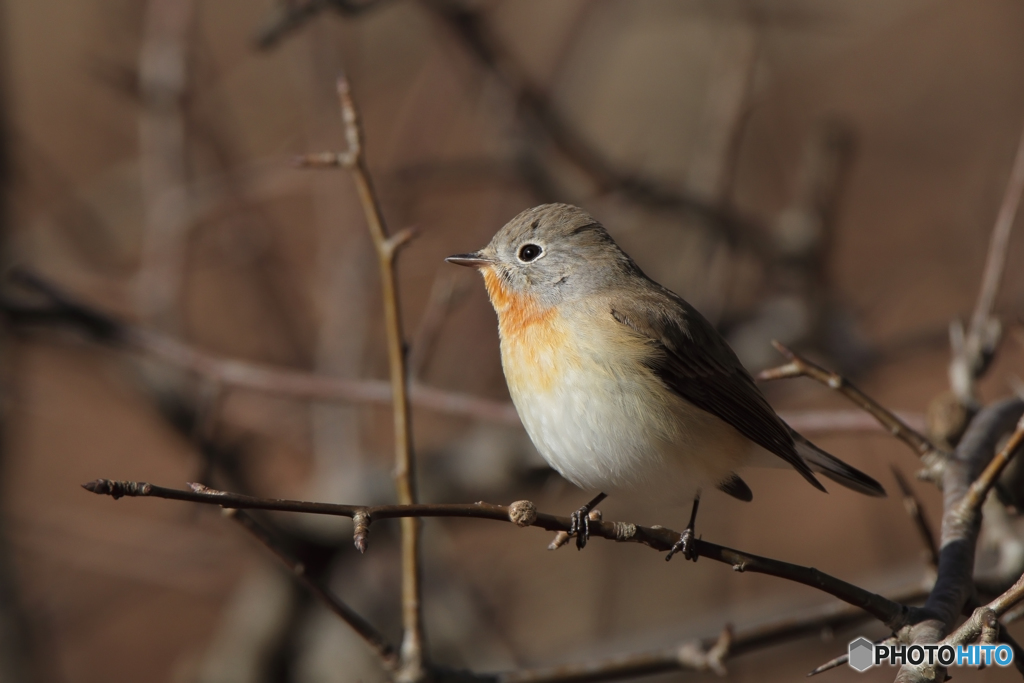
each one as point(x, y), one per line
point(374, 638)
point(163, 82)
point(64, 310)
point(660, 661)
point(353, 158)
point(973, 351)
point(524, 514)
point(447, 287)
point(471, 28)
point(290, 15)
point(916, 513)
point(798, 366)
point(971, 503)
point(690, 656)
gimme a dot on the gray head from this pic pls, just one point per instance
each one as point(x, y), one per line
point(552, 253)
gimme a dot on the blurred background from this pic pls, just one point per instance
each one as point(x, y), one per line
point(825, 174)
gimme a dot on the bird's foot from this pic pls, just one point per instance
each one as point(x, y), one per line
point(687, 545)
point(579, 522)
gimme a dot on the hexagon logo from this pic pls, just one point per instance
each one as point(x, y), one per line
point(862, 654)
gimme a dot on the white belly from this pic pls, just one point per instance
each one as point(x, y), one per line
point(612, 425)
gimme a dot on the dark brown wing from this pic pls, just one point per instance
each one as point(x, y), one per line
point(737, 488)
point(695, 362)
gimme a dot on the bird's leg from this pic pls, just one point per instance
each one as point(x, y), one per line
point(580, 521)
point(685, 542)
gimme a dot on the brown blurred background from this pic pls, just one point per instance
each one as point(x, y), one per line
point(822, 173)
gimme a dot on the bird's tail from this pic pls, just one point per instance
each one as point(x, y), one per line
point(835, 469)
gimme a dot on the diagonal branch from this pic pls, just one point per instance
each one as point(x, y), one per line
point(523, 514)
point(470, 27)
point(798, 366)
point(374, 638)
point(916, 513)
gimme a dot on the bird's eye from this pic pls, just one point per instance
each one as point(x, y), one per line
point(529, 252)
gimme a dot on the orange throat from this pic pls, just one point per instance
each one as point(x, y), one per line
point(535, 344)
point(516, 312)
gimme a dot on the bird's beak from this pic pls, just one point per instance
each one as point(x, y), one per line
point(474, 260)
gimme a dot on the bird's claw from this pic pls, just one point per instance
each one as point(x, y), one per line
point(579, 526)
point(686, 545)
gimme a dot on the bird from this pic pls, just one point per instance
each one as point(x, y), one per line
point(620, 383)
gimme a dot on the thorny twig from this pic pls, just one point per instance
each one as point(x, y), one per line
point(413, 654)
point(524, 514)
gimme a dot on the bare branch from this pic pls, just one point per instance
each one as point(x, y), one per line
point(469, 26)
point(163, 82)
point(916, 512)
point(973, 351)
point(971, 503)
point(690, 656)
point(889, 612)
point(961, 524)
point(413, 667)
point(230, 372)
point(798, 366)
point(374, 638)
point(290, 15)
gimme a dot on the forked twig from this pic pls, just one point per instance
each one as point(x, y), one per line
point(413, 664)
point(798, 366)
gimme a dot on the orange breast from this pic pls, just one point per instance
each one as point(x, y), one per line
point(535, 343)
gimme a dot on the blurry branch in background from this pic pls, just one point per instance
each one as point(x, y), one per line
point(289, 15)
point(16, 635)
point(916, 513)
point(541, 115)
point(63, 310)
point(377, 642)
point(446, 291)
point(973, 351)
point(163, 80)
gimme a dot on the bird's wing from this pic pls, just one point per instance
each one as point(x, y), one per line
point(695, 362)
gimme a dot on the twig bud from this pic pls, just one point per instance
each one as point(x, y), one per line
point(522, 513)
point(361, 531)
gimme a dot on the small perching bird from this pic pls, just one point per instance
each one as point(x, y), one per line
point(620, 383)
